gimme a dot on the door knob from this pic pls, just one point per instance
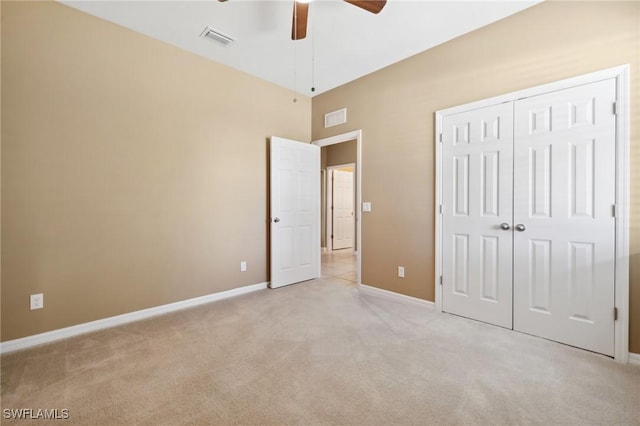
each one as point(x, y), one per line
point(276, 220)
point(520, 227)
point(505, 226)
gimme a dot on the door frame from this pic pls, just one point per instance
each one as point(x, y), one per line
point(346, 137)
point(329, 201)
point(621, 74)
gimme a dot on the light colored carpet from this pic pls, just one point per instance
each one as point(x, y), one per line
point(318, 352)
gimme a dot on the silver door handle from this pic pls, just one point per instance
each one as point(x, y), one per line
point(276, 220)
point(505, 226)
point(520, 227)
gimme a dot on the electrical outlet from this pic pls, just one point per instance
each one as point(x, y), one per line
point(243, 266)
point(37, 301)
point(401, 271)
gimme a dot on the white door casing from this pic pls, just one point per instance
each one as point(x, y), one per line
point(295, 211)
point(564, 193)
point(477, 204)
point(342, 212)
point(341, 138)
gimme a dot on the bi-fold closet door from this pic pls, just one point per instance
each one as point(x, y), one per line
point(528, 228)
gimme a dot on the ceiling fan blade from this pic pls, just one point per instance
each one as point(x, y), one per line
point(299, 25)
point(373, 6)
point(222, 1)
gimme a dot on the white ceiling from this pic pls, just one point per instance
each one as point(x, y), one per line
point(343, 42)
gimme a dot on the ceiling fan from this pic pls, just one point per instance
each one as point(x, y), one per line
point(301, 13)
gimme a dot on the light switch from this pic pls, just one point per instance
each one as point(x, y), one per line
point(366, 206)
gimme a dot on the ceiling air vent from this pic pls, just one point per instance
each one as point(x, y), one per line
point(336, 117)
point(215, 35)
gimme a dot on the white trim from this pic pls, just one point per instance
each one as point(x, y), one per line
point(323, 194)
point(438, 212)
point(328, 215)
point(395, 296)
point(623, 196)
point(621, 74)
point(88, 327)
point(634, 359)
point(346, 137)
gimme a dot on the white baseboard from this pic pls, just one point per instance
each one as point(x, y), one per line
point(395, 296)
point(634, 359)
point(88, 327)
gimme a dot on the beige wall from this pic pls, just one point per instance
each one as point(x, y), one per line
point(134, 174)
point(395, 109)
point(342, 153)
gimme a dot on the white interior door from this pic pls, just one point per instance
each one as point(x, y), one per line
point(564, 193)
point(477, 213)
point(343, 211)
point(295, 212)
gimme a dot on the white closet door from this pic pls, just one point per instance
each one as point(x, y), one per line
point(477, 199)
point(564, 192)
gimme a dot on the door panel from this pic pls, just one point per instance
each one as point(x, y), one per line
point(489, 181)
point(582, 178)
point(489, 268)
point(564, 190)
point(477, 198)
point(540, 181)
point(460, 276)
point(540, 276)
point(295, 212)
point(461, 185)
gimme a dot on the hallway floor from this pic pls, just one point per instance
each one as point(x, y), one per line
point(341, 264)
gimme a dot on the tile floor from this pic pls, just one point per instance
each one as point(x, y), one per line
point(340, 264)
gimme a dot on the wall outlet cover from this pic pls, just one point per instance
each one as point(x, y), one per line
point(36, 301)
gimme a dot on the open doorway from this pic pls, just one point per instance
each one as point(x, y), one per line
point(340, 226)
point(338, 257)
